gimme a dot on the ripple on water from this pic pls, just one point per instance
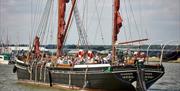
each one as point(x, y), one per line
point(169, 82)
point(171, 79)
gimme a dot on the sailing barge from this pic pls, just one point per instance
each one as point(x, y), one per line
point(107, 76)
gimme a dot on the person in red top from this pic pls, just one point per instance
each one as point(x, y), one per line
point(36, 47)
point(90, 55)
point(80, 53)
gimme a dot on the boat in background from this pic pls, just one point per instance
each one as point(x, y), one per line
point(171, 56)
point(5, 58)
point(5, 54)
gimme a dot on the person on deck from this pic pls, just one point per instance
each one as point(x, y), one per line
point(97, 58)
point(79, 57)
point(90, 57)
point(80, 53)
point(109, 58)
point(142, 57)
point(139, 57)
point(60, 60)
point(136, 56)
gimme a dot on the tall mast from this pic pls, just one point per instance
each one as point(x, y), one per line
point(62, 30)
point(61, 25)
point(117, 25)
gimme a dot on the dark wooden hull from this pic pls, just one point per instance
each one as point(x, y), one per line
point(118, 78)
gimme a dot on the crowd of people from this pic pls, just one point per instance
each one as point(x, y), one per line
point(83, 57)
point(87, 57)
point(134, 57)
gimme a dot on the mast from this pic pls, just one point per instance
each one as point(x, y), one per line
point(62, 30)
point(61, 25)
point(117, 25)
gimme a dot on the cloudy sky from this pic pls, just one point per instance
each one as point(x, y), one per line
point(158, 20)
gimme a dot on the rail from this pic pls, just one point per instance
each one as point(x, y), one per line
point(147, 51)
point(162, 51)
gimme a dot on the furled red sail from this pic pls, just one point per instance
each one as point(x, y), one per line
point(61, 25)
point(118, 19)
point(36, 46)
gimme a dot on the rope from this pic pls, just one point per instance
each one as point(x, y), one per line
point(128, 20)
point(65, 39)
point(99, 21)
point(125, 33)
point(51, 21)
point(80, 28)
point(140, 14)
point(82, 31)
point(134, 19)
point(44, 19)
point(35, 18)
point(48, 25)
point(85, 78)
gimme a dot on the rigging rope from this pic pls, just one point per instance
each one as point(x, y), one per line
point(128, 20)
point(44, 20)
point(99, 21)
point(80, 28)
point(35, 9)
point(35, 17)
point(65, 39)
point(140, 15)
point(84, 24)
point(134, 18)
point(49, 26)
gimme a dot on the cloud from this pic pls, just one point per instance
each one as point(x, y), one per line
point(160, 18)
point(16, 17)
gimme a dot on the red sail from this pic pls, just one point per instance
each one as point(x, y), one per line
point(118, 19)
point(36, 46)
point(62, 31)
point(61, 25)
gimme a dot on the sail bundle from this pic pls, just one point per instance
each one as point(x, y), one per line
point(117, 19)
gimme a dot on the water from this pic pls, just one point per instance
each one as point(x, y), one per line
point(171, 79)
point(8, 80)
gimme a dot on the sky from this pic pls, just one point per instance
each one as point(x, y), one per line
point(157, 20)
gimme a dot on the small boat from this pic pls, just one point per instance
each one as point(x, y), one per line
point(106, 75)
point(174, 55)
point(4, 58)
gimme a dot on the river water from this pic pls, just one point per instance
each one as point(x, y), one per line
point(8, 80)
